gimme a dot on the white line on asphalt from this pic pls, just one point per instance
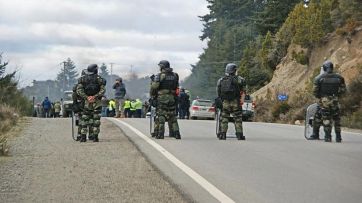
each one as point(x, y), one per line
point(216, 193)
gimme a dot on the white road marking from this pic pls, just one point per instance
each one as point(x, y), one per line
point(216, 193)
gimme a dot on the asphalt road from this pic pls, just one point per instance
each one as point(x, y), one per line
point(274, 164)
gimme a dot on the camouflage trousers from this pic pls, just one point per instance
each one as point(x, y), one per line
point(327, 113)
point(164, 114)
point(90, 121)
point(157, 126)
point(233, 108)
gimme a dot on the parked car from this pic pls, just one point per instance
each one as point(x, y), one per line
point(248, 108)
point(201, 108)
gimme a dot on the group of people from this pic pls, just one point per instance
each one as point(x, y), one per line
point(47, 109)
point(165, 97)
point(131, 108)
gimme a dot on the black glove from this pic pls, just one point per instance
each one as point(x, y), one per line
point(152, 77)
point(218, 103)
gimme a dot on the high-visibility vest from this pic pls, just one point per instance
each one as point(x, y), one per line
point(127, 104)
point(111, 105)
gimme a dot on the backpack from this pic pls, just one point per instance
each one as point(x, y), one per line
point(91, 84)
point(229, 88)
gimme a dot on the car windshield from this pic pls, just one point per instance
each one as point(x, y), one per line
point(202, 103)
point(68, 96)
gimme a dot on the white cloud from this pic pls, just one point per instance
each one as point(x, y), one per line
point(37, 35)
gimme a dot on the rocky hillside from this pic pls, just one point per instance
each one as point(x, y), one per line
point(291, 77)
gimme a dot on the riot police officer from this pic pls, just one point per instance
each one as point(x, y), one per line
point(164, 88)
point(328, 87)
point(229, 89)
point(91, 88)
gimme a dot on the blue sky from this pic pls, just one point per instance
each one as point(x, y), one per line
point(37, 35)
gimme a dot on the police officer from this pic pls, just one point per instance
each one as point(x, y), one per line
point(229, 89)
point(78, 104)
point(91, 88)
point(164, 88)
point(328, 87)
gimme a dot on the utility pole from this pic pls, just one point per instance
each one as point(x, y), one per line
point(64, 62)
point(111, 73)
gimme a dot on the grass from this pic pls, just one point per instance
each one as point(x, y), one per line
point(8, 126)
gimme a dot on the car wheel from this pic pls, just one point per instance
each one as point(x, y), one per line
point(193, 117)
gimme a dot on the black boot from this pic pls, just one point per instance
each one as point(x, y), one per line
point(314, 136)
point(78, 138)
point(338, 137)
point(95, 138)
point(83, 138)
point(222, 136)
point(177, 135)
point(160, 135)
point(171, 134)
point(328, 138)
point(240, 136)
point(154, 134)
point(91, 137)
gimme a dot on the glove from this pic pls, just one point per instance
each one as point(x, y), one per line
point(218, 103)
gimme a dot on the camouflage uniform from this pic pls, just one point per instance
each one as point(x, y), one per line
point(327, 88)
point(91, 85)
point(231, 103)
point(164, 89)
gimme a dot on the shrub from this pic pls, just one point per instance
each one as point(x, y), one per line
point(280, 108)
point(301, 57)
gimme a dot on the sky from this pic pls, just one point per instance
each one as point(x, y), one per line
point(36, 36)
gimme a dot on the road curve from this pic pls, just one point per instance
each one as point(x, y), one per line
point(274, 164)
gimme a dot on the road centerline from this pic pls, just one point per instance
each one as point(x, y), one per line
point(210, 188)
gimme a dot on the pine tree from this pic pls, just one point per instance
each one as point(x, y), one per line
point(67, 76)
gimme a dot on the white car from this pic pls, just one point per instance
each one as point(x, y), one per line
point(201, 108)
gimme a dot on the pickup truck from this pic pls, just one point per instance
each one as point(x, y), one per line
point(67, 104)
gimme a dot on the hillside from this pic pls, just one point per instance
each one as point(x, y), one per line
point(291, 77)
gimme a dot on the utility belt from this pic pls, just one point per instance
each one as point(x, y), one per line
point(166, 91)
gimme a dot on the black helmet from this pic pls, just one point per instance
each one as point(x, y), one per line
point(230, 69)
point(164, 64)
point(92, 69)
point(328, 66)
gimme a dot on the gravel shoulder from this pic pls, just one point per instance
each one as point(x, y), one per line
point(45, 165)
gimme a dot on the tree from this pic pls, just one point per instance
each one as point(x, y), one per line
point(67, 76)
point(273, 15)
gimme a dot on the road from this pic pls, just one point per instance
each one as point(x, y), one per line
point(274, 164)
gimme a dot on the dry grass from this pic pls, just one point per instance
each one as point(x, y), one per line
point(8, 120)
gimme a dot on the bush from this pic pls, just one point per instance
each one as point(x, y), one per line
point(280, 108)
point(301, 57)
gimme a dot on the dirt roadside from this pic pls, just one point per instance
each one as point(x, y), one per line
point(46, 165)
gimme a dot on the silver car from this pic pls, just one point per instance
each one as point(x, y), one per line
point(201, 108)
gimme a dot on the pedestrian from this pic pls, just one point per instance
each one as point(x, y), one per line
point(138, 106)
point(132, 109)
point(111, 109)
point(127, 108)
point(184, 103)
point(57, 108)
point(328, 87)
point(164, 88)
point(104, 106)
point(119, 94)
point(47, 105)
point(91, 88)
point(229, 89)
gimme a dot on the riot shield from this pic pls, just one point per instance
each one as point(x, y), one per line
point(309, 117)
point(152, 119)
point(74, 123)
point(218, 122)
